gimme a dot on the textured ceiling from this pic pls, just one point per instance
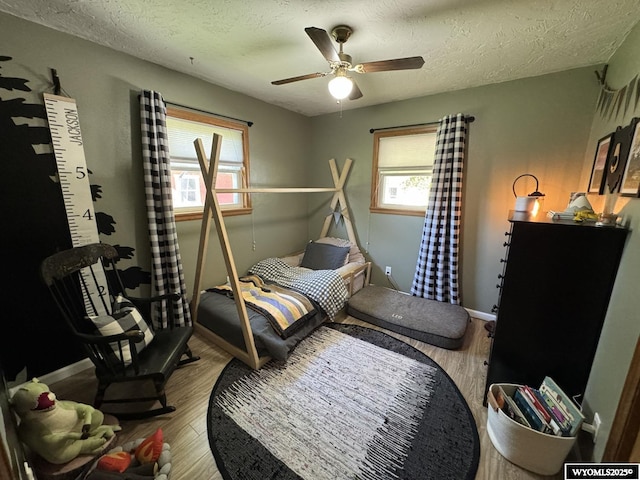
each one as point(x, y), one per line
point(245, 44)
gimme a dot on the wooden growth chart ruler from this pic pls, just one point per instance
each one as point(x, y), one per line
point(64, 125)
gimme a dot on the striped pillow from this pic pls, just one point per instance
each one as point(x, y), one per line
point(124, 317)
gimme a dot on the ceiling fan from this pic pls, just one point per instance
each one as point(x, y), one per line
point(341, 85)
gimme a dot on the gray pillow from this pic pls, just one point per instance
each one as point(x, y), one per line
point(323, 256)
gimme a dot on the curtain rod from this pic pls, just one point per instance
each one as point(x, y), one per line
point(468, 118)
point(249, 123)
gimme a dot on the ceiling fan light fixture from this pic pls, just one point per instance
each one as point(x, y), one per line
point(340, 86)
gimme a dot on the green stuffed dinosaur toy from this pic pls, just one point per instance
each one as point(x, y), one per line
point(58, 430)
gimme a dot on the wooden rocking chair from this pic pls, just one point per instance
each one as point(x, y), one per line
point(90, 294)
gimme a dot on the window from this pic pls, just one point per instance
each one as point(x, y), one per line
point(187, 184)
point(402, 169)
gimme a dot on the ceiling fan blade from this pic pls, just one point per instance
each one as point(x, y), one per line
point(355, 92)
point(323, 41)
point(408, 63)
point(297, 79)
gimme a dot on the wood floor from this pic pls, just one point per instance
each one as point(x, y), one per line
point(189, 389)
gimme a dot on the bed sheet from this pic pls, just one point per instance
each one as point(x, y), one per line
point(345, 271)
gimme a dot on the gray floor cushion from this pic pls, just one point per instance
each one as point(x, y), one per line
point(436, 323)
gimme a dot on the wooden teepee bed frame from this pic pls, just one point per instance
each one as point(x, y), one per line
point(209, 170)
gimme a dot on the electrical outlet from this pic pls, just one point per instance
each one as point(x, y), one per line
point(596, 426)
point(387, 271)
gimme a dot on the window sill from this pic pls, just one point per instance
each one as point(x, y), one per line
point(397, 211)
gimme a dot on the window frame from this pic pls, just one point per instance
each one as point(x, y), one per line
point(246, 207)
point(376, 174)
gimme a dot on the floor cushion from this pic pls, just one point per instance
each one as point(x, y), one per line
point(436, 323)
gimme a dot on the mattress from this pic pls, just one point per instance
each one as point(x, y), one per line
point(218, 313)
point(436, 323)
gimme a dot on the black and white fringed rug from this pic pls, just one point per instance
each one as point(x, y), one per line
point(350, 403)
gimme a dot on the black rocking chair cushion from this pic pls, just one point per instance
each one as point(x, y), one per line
point(168, 347)
point(162, 359)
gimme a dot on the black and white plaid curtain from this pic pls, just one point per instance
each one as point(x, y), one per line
point(436, 276)
point(167, 275)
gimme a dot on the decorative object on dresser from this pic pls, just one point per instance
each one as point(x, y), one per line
point(554, 292)
point(579, 209)
point(530, 203)
point(351, 402)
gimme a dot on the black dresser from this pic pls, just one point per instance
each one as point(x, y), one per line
point(555, 287)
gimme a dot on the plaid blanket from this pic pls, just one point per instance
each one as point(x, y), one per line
point(325, 287)
point(285, 309)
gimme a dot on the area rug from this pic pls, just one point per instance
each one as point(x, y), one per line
point(349, 403)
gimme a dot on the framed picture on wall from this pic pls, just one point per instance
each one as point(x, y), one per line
point(631, 178)
point(617, 159)
point(596, 183)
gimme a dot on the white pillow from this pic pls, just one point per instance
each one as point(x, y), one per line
point(123, 318)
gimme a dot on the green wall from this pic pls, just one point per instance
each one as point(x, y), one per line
point(622, 325)
point(537, 125)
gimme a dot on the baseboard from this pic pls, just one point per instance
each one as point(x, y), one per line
point(58, 375)
point(489, 317)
